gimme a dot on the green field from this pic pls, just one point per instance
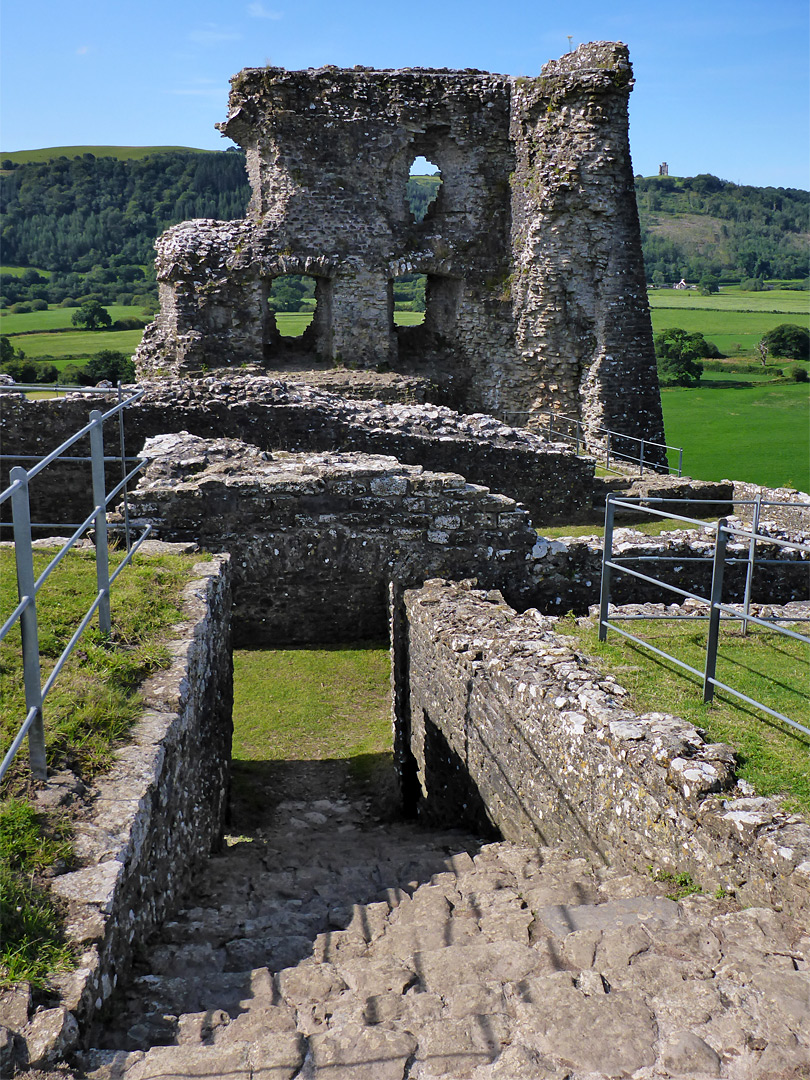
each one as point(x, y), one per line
point(18, 271)
point(757, 432)
point(293, 324)
point(732, 298)
point(123, 153)
point(58, 318)
point(734, 320)
point(81, 344)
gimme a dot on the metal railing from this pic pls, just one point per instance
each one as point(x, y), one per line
point(28, 587)
point(607, 446)
point(722, 532)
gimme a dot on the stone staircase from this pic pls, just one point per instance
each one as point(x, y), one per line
point(328, 946)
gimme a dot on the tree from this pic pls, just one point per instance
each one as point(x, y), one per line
point(677, 353)
point(110, 365)
point(788, 340)
point(708, 285)
point(92, 316)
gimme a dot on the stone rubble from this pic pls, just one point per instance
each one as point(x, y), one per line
point(328, 947)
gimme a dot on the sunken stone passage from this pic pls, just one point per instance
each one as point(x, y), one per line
point(315, 539)
point(535, 291)
point(507, 962)
point(555, 756)
point(326, 946)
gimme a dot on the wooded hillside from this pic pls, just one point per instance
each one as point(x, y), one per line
point(90, 222)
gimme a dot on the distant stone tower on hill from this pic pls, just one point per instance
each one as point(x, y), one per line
point(535, 295)
point(663, 169)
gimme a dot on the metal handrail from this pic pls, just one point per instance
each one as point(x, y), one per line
point(723, 533)
point(582, 434)
point(28, 588)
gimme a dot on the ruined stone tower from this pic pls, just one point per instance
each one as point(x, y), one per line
point(535, 292)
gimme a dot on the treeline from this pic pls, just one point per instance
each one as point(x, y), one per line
point(91, 222)
point(753, 233)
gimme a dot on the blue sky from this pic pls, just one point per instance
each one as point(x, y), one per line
point(721, 87)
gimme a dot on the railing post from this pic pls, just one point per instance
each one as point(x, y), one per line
point(579, 436)
point(21, 512)
point(749, 573)
point(710, 669)
point(100, 502)
point(607, 556)
point(607, 458)
point(123, 466)
point(680, 461)
point(641, 460)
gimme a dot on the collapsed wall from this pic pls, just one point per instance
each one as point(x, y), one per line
point(497, 715)
point(315, 539)
point(535, 294)
point(551, 481)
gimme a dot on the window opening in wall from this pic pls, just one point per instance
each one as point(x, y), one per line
point(409, 299)
point(423, 187)
point(292, 300)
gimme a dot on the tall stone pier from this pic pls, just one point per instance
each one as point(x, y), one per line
point(535, 292)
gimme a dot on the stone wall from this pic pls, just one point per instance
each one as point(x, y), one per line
point(568, 571)
point(535, 291)
point(315, 539)
point(160, 810)
point(547, 478)
point(496, 713)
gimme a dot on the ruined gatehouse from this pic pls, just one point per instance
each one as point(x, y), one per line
point(535, 290)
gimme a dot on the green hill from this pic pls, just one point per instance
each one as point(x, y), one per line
point(79, 222)
point(121, 153)
point(691, 226)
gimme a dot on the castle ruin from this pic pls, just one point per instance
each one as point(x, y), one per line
point(535, 293)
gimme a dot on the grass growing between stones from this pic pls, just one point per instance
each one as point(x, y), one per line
point(649, 528)
point(772, 756)
point(90, 710)
point(311, 703)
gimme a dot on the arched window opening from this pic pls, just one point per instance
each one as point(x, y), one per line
point(423, 186)
point(408, 294)
point(293, 302)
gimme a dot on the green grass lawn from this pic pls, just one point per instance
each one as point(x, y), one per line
point(89, 711)
point(79, 344)
point(772, 756)
point(293, 324)
point(409, 318)
point(58, 318)
point(732, 298)
point(313, 704)
point(759, 433)
point(734, 320)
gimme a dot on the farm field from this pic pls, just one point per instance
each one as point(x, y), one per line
point(734, 320)
point(757, 432)
point(732, 298)
point(59, 318)
point(79, 344)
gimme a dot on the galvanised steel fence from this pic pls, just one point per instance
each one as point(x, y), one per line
point(28, 587)
point(723, 532)
point(613, 450)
